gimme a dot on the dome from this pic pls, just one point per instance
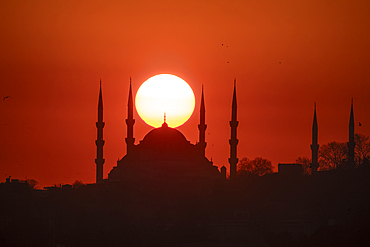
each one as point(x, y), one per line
point(164, 135)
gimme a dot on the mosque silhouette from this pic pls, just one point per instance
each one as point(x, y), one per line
point(164, 154)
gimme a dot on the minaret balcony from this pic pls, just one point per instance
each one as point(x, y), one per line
point(100, 142)
point(100, 124)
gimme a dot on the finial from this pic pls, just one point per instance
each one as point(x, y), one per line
point(100, 82)
point(315, 105)
point(234, 82)
point(164, 122)
point(352, 101)
point(130, 80)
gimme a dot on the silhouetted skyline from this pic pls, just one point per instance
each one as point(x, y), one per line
point(285, 56)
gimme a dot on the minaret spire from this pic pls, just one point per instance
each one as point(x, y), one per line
point(233, 160)
point(202, 126)
point(99, 161)
point(351, 142)
point(314, 145)
point(130, 121)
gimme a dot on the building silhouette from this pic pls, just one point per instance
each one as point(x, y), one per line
point(165, 154)
point(233, 160)
point(99, 161)
point(351, 141)
point(314, 145)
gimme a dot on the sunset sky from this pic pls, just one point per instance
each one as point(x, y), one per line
point(285, 55)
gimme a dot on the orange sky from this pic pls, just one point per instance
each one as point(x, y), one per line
point(53, 54)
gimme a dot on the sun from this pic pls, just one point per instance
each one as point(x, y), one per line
point(165, 95)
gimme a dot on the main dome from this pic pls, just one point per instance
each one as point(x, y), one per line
point(164, 135)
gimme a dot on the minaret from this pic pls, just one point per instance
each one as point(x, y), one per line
point(233, 160)
point(351, 142)
point(202, 126)
point(99, 161)
point(130, 121)
point(314, 145)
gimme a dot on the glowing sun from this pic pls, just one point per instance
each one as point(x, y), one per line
point(165, 95)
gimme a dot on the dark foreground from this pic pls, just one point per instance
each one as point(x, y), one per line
point(331, 209)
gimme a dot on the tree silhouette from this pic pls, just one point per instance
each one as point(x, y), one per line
point(31, 183)
point(77, 184)
point(256, 168)
point(362, 149)
point(333, 156)
point(306, 165)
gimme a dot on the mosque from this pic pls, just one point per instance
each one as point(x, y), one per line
point(164, 154)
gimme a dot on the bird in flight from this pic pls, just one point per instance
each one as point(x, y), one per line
point(6, 97)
